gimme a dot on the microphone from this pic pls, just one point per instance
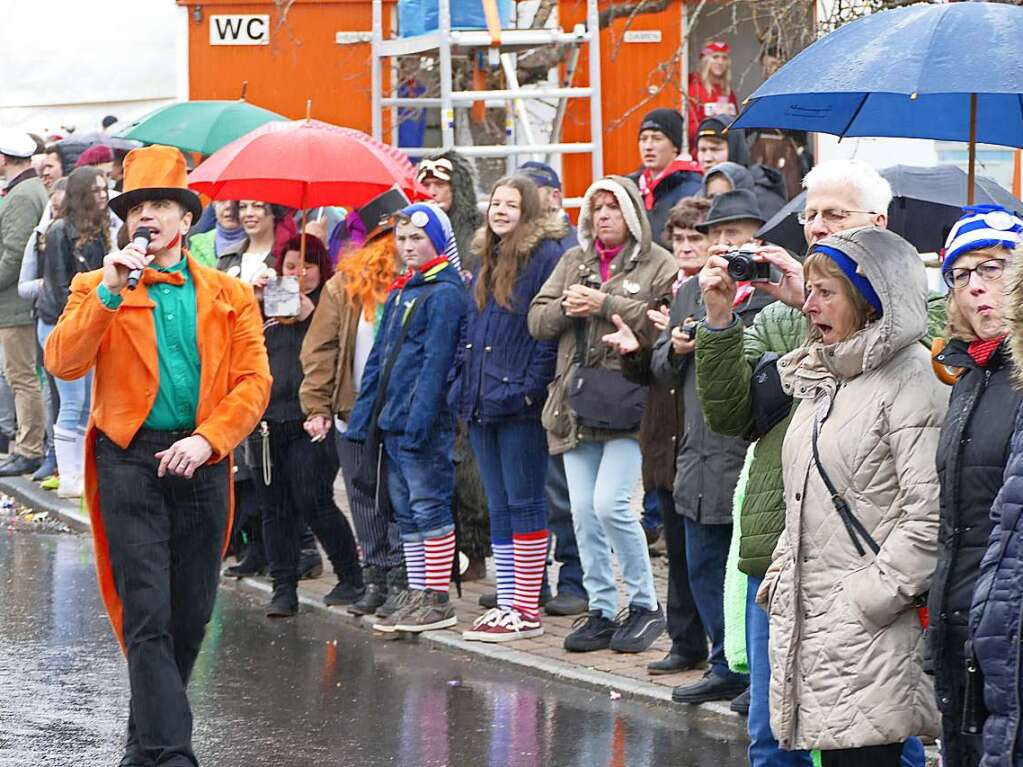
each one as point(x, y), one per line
point(141, 240)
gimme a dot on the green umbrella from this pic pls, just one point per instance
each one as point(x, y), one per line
point(198, 126)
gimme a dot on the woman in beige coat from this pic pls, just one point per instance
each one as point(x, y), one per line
point(846, 636)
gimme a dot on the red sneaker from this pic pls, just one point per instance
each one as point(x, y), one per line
point(510, 626)
point(482, 625)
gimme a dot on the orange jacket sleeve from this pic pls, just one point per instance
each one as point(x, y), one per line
point(73, 345)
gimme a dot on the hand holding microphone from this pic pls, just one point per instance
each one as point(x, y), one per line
point(123, 268)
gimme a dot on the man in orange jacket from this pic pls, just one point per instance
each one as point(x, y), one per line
point(181, 379)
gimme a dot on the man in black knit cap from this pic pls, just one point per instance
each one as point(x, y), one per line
point(667, 174)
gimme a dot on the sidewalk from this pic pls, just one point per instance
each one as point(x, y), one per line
point(614, 674)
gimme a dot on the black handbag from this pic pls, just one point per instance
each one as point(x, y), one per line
point(370, 473)
point(603, 399)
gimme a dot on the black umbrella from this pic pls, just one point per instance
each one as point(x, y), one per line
point(926, 202)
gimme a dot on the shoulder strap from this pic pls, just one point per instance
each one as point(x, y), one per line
point(385, 376)
point(581, 341)
point(853, 526)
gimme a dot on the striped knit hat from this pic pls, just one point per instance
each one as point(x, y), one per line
point(982, 226)
point(432, 219)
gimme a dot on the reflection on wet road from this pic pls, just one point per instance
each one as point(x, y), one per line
point(297, 694)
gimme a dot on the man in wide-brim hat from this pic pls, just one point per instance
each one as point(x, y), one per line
point(181, 377)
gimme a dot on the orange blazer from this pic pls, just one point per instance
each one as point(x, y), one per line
point(120, 345)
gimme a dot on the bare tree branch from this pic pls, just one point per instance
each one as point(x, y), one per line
point(631, 9)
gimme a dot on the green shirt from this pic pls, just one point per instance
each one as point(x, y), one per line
point(174, 318)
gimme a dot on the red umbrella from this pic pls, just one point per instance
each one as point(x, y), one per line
point(305, 164)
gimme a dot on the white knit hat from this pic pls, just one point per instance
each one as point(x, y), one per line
point(982, 226)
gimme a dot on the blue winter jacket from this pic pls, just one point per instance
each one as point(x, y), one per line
point(996, 616)
point(503, 371)
point(415, 401)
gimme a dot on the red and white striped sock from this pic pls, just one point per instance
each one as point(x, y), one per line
point(440, 555)
point(530, 560)
point(415, 564)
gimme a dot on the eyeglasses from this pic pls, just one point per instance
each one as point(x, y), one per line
point(988, 270)
point(830, 215)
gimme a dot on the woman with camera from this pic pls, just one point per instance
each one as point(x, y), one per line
point(855, 560)
point(501, 387)
point(708, 464)
point(294, 473)
point(592, 414)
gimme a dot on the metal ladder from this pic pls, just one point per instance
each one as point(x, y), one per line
point(447, 42)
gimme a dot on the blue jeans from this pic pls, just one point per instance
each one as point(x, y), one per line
point(763, 748)
point(74, 395)
point(512, 459)
point(913, 754)
point(601, 477)
point(651, 518)
point(706, 557)
point(421, 484)
point(559, 521)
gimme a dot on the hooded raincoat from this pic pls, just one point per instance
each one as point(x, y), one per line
point(846, 641)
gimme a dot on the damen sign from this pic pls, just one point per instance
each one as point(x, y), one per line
point(240, 29)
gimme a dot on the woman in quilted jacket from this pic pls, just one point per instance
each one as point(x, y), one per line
point(853, 563)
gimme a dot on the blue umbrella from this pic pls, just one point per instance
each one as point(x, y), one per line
point(947, 72)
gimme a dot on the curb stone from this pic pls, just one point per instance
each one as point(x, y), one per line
point(28, 493)
point(718, 712)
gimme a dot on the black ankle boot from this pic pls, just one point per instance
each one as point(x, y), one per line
point(346, 592)
point(253, 563)
point(397, 586)
point(310, 564)
point(375, 593)
point(284, 602)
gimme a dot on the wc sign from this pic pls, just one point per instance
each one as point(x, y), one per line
point(240, 29)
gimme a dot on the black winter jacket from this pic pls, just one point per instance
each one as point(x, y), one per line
point(996, 616)
point(61, 261)
point(972, 453)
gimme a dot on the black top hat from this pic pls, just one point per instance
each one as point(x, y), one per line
point(738, 205)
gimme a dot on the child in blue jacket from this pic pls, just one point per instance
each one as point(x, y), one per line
point(415, 422)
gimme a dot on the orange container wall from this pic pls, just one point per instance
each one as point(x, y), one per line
point(628, 71)
point(303, 60)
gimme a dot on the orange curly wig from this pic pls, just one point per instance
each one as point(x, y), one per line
point(369, 271)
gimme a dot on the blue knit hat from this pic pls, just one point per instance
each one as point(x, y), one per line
point(429, 217)
point(849, 269)
point(982, 226)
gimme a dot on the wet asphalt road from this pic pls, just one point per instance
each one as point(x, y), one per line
point(300, 693)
